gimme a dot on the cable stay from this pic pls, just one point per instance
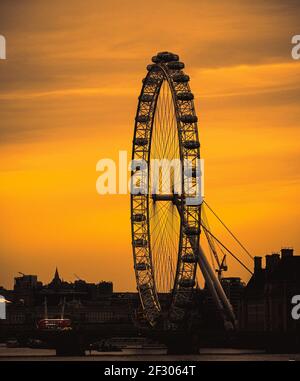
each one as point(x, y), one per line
point(212, 249)
point(214, 281)
point(224, 247)
point(229, 231)
point(221, 265)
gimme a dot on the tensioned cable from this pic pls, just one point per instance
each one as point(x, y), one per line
point(229, 251)
point(213, 253)
point(229, 231)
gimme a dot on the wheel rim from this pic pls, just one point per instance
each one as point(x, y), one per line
point(165, 230)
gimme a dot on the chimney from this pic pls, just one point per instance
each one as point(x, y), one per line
point(272, 261)
point(287, 252)
point(257, 264)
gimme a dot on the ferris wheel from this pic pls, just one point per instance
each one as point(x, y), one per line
point(166, 201)
point(165, 227)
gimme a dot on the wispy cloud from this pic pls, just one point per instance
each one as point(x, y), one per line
point(68, 95)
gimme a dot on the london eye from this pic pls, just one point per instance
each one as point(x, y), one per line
point(166, 218)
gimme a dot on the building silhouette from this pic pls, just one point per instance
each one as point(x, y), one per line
point(262, 306)
point(267, 296)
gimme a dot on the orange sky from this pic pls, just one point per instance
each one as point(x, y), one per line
point(68, 94)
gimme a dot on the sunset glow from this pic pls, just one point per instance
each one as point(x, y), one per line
point(68, 96)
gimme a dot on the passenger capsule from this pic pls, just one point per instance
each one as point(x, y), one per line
point(191, 230)
point(192, 172)
point(142, 118)
point(175, 65)
point(183, 78)
point(140, 242)
point(188, 119)
point(185, 96)
point(155, 59)
point(146, 98)
point(189, 258)
point(165, 57)
point(141, 266)
point(191, 144)
point(139, 217)
point(153, 67)
point(137, 164)
point(186, 283)
point(145, 287)
point(141, 141)
point(150, 81)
